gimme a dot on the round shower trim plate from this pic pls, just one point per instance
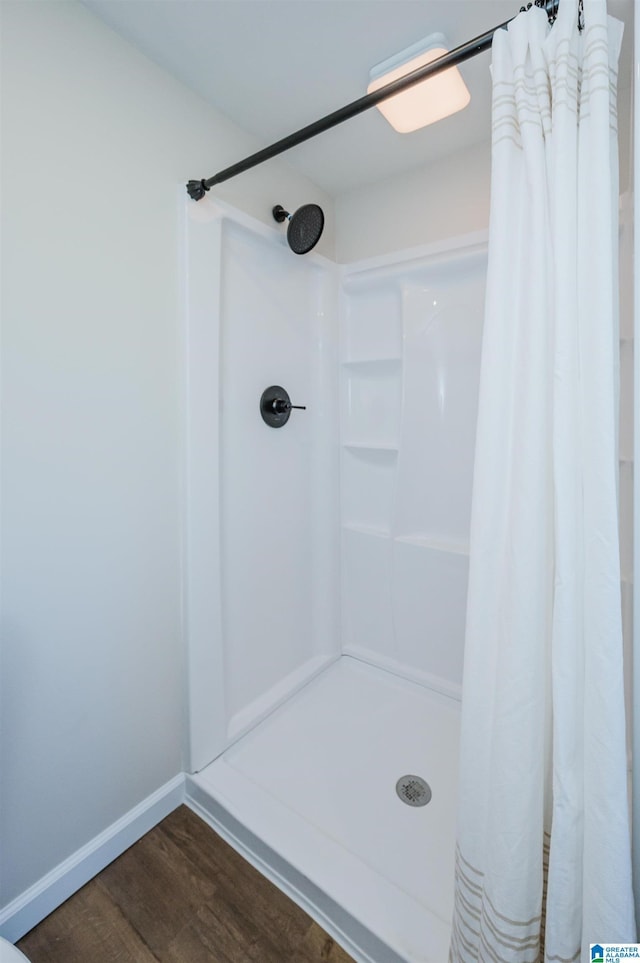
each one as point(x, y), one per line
point(413, 790)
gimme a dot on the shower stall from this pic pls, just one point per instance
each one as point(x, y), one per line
point(326, 561)
point(326, 569)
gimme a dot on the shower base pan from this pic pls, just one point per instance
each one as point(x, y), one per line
point(309, 797)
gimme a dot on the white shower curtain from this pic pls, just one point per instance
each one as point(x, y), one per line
point(543, 857)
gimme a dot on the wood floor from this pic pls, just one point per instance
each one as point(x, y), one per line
point(180, 895)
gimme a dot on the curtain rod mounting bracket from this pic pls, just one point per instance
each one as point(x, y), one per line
point(197, 189)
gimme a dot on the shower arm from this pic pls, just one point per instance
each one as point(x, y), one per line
point(197, 189)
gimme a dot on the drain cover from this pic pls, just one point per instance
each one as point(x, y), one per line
point(413, 790)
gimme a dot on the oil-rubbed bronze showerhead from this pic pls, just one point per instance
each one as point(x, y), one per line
point(305, 226)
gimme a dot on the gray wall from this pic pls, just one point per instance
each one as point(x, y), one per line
point(96, 140)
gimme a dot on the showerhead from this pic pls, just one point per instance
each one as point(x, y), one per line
point(305, 226)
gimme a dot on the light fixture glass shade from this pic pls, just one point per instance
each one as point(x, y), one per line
point(424, 103)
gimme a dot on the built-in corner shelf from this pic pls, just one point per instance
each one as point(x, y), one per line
point(365, 446)
point(433, 543)
point(370, 364)
point(436, 543)
point(411, 335)
point(367, 530)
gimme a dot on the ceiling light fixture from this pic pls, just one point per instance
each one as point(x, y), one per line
point(424, 103)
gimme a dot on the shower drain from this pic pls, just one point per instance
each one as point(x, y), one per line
point(413, 790)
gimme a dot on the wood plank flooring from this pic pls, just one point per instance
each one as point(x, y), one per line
point(180, 895)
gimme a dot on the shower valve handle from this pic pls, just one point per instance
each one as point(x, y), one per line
point(275, 406)
point(280, 405)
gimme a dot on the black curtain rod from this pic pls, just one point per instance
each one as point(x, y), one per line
point(197, 189)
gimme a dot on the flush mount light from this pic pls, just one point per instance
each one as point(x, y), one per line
point(431, 99)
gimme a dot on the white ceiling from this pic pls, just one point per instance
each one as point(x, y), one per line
point(274, 66)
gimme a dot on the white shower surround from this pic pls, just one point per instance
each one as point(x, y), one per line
point(282, 524)
point(247, 570)
point(398, 384)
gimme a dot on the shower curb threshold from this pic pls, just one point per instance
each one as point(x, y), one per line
point(347, 911)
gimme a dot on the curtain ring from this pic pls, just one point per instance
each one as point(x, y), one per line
point(550, 8)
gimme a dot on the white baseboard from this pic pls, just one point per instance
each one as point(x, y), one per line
point(28, 909)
